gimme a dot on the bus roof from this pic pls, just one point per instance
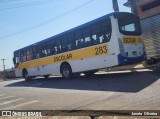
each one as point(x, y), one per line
point(73, 29)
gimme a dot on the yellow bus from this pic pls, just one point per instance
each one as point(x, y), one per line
point(111, 40)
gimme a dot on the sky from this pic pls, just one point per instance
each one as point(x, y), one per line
point(24, 22)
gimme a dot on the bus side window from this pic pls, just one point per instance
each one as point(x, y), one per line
point(38, 51)
point(24, 58)
point(78, 43)
point(52, 50)
point(64, 44)
point(43, 50)
point(48, 48)
point(34, 52)
point(58, 46)
point(79, 39)
point(58, 49)
point(82, 43)
point(71, 42)
point(95, 40)
point(95, 34)
point(87, 36)
point(52, 47)
point(106, 30)
point(21, 56)
point(29, 54)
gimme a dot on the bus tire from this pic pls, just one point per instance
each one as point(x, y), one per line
point(25, 75)
point(66, 71)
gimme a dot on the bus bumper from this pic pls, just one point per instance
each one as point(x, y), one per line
point(130, 60)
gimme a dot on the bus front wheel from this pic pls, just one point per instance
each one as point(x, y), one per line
point(26, 76)
point(66, 71)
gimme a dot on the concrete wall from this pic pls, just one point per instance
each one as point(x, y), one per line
point(150, 17)
point(147, 13)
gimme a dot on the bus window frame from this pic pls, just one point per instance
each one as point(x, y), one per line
point(136, 22)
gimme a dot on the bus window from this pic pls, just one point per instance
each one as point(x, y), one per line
point(52, 47)
point(79, 39)
point(129, 26)
point(64, 44)
point(23, 56)
point(106, 30)
point(29, 54)
point(38, 51)
point(34, 52)
point(58, 46)
point(43, 50)
point(95, 31)
point(103, 37)
point(48, 48)
point(87, 36)
point(71, 42)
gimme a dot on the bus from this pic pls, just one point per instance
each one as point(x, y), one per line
point(111, 40)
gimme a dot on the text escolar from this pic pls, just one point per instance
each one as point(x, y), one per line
point(62, 57)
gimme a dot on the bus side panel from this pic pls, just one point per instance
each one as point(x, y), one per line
point(18, 73)
point(44, 70)
point(93, 63)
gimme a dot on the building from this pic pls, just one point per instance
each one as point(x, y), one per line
point(0, 75)
point(9, 74)
point(149, 13)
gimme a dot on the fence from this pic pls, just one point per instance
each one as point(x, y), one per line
point(8, 74)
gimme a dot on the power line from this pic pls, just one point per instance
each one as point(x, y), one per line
point(7, 7)
point(48, 21)
point(8, 1)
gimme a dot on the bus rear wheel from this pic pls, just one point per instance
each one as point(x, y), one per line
point(66, 71)
point(26, 76)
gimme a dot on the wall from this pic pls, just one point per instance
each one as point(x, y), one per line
point(147, 13)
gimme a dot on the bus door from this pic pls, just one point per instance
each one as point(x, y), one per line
point(16, 59)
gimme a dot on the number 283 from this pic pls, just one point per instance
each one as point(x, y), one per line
point(101, 50)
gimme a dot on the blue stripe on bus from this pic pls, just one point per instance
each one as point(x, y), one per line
point(129, 60)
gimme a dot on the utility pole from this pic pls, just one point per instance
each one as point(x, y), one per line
point(115, 5)
point(3, 64)
point(4, 74)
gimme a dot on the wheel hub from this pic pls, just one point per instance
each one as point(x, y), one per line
point(66, 72)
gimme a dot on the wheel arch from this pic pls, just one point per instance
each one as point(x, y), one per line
point(64, 63)
point(23, 71)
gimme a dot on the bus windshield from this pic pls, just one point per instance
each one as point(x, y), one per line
point(129, 24)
